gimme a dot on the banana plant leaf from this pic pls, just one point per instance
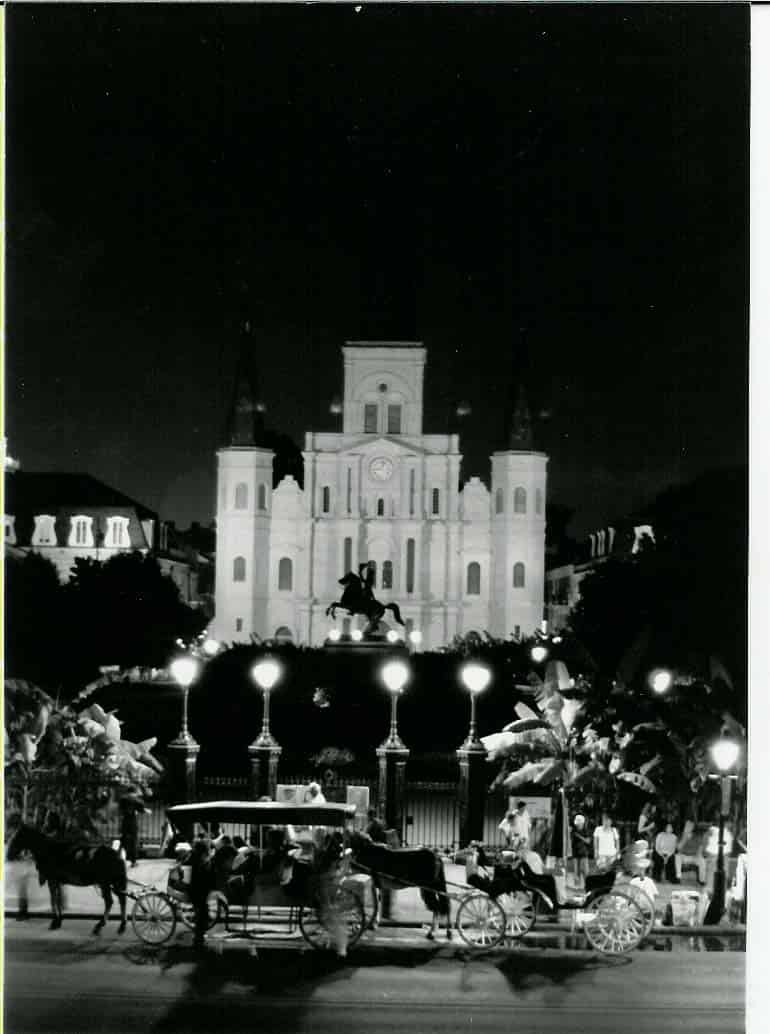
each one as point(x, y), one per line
point(525, 724)
point(526, 774)
point(637, 780)
point(649, 765)
point(523, 711)
point(551, 771)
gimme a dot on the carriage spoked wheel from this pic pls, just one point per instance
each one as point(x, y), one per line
point(318, 923)
point(614, 922)
point(520, 909)
point(481, 921)
point(646, 904)
point(214, 907)
point(153, 917)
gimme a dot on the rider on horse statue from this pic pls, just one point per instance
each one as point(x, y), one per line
point(358, 598)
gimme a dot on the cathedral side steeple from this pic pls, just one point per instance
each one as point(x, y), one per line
point(246, 423)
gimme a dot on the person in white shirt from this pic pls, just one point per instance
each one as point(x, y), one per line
point(664, 856)
point(606, 843)
point(516, 827)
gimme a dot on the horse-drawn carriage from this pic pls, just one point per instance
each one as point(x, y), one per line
point(508, 898)
point(292, 870)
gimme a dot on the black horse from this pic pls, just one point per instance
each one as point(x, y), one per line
point(358, 598)
point(80, 864)
point(394, 868)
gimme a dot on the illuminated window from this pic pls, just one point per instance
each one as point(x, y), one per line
point(520, 500)
point(473, 582)
point(499, 501)
point(10, 530)
point(285, 573)
point(44, 533)
point(387, 574)
point(239, 569)
point(81, 533)
point(117, 533)
point(518, 576)
point(370, 418)
point(241, 495)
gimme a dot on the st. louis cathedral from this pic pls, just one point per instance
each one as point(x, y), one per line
point(455, 558)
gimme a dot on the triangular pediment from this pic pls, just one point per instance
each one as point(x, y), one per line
point(383, 445)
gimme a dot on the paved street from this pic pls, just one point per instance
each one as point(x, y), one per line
point(67, 982)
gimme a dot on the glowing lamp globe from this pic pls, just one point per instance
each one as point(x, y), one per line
point(415, 636)
point(392, 636)
point(357, 635)
point(210, 647)
point(394, 675)
point(184, 670)
point(334, 635)
point(475, 677)
point(266, 673)
point(538, 654)
point(725, 754)
point(661, 680)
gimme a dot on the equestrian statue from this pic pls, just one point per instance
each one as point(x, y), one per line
point(358, 598)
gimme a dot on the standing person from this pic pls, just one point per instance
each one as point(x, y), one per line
point(129, 828)
point(375, 828)
point(664, 855)
point(606, 842)
point(581, 847)
point(201, 884)
point(516, 827)
point(313, 794)
point(646, 827)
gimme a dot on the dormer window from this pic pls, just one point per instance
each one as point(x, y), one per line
point(117, 533)
point(10, 531)
point(44, 533)
point(81, 531)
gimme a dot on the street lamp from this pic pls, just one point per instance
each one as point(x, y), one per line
point(211, 647)
point(538, 653)
point(394, 675)
point(184, 670)
point(660, 680)
point(266, 673)
point(475, 678)
point(724, 753)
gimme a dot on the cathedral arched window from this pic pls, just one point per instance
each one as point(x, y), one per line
point(285, 573)
point(326, 499)
point(435, 502)
point(241, 495)
point(347, 554)
point(387, 574)
point(262, 497)
point(410, 554)
point(380, 507)
point(499, 501)
point(239, 569)
point(538, 500)
point(518, 576)
point(520, 500)
point(373, 568)
point(473, 579)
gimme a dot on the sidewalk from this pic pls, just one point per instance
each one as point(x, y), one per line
point(407, 909)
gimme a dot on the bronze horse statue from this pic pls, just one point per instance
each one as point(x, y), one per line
point(358, 598)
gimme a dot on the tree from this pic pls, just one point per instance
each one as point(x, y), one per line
point(34, 633)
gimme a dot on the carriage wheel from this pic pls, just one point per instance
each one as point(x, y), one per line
point(153, 917)
point(520, 909)
point(318, 925)
point(646, 904)
point(615, 922)
point(213, 905)
point(480, 921)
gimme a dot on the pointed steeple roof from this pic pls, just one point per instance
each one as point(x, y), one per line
point(519, 431)
point(246, 424)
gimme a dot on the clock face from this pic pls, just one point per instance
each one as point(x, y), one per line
point(381, 468)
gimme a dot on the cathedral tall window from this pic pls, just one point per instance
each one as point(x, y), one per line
point(239, 569)
point(538, 500)
point(285, 573)
point(394, 419)
point(411, 492)
point(499, 501)
point(326, 499)
point(410, 550)
point(241, 495)
point(520, 500)
point(380, 507)
point(387, 574)
point(349, 491)
point(261, 497)
point(435, 501)
point(370, 418)
point(518, 576)
point(473, 580)
point(347, 553)
point(373, 569)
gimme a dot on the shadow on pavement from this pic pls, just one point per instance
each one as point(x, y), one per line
point(556, 974)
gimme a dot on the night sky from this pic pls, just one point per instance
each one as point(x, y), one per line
point(554, 194)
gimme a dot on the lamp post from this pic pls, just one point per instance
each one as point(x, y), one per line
point(724, 754)
point(265, 751)
point(471, 756)
point(392, 753)
point(184, 748)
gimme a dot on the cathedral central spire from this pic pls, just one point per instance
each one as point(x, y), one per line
point(519, 434)
point(246, 424)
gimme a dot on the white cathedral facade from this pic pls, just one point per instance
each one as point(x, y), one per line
point(455, 559)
